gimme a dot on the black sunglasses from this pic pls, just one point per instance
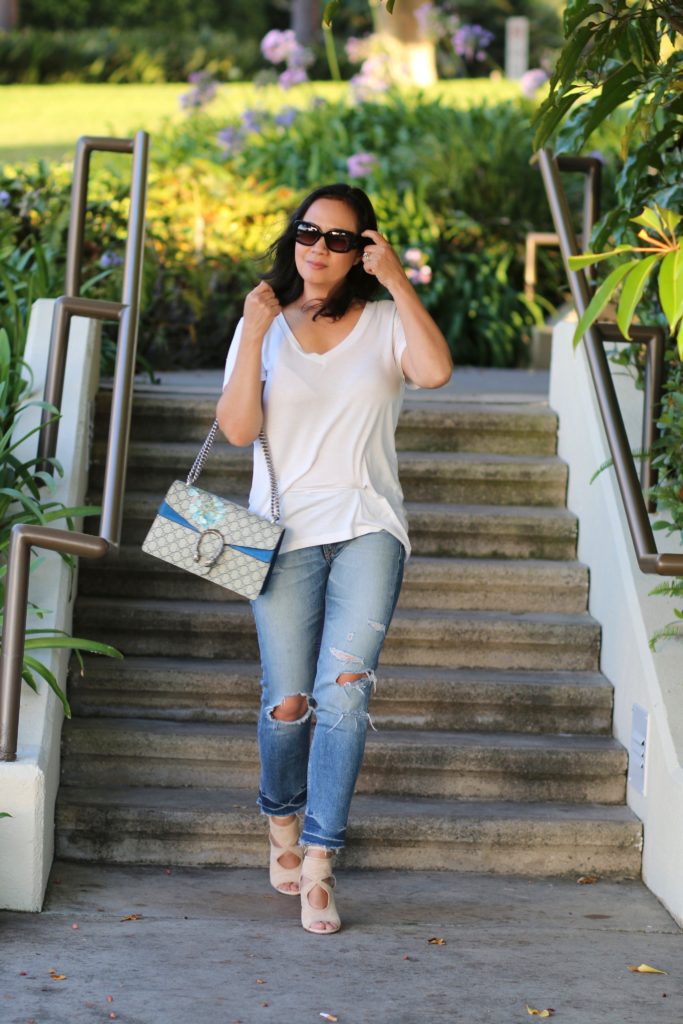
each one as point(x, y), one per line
point(336, 240)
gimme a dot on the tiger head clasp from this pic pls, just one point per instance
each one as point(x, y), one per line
point(213, 558)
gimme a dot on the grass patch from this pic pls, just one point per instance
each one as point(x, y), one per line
point(44, 121)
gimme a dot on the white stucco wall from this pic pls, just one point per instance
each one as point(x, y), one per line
point(620, 601)
point(28, 786)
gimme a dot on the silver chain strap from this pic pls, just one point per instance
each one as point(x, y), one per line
point(203, 454)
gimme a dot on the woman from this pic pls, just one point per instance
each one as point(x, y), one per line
point(322, 369)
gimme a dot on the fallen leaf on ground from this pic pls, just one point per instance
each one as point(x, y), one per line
point(75, 927)
point(132, 917)
point(260, 981)
point(56, 976)
point(644, 969)
point(436, 941)
point(588, 879)
point(110, 999)
point(329, 1016)
point(548, 1012)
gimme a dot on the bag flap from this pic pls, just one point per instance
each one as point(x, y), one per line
point(199, 510)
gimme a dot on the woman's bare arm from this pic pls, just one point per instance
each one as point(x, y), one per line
point(426, 361)
point(239, 410)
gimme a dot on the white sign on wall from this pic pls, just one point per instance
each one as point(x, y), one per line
point(516, 47)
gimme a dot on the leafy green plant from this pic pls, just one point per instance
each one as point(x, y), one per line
point(617, 53)
point(450, 178)
point(182, 14)
point(663, 252)
point(25, 498)
point(621, 68)
point(125, 55)
point(673, 630)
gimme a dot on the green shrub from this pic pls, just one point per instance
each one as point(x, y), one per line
point(253, 19)
point(131, 55)
point(453, 182)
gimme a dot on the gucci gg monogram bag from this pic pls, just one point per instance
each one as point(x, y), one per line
point(211, 537)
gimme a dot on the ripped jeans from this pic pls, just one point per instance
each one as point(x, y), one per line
point(324, 613)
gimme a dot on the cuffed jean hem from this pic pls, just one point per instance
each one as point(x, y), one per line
point(279, 810)
point(313, 835)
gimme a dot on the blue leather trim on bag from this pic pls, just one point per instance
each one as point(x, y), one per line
point(168, 512)
point(263, 556)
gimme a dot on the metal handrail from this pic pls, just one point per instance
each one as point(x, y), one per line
point(631, 490)
point(591, 167)
point(24, 536)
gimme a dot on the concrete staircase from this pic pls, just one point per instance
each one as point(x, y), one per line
point(493, 750)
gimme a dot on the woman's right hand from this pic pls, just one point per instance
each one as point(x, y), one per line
point(261, 306)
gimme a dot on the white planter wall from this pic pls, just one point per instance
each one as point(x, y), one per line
point(28, 786)
point(620, 602)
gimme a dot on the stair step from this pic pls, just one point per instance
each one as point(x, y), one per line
point(220, 827)
point(494, 750)
point(180, 689)
point(420, 763)
point(459, 531)
point(517, 429)
point(425, 476)
point(205, 629)
point(486, 584)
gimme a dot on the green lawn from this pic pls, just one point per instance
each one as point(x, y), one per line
point(46, 120)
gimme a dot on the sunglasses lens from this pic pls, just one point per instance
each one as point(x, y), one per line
point(339, 241)
point(307, 234)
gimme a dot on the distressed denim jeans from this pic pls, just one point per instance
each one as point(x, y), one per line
point(325, 613)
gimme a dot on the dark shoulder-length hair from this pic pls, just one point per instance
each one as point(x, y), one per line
point(284, 278)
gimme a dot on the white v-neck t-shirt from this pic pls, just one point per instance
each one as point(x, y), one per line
point(330, 420)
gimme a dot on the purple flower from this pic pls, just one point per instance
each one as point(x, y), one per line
point(532, 80)
point(110, 259)
point(251, 120)
point(300, 57)
point(356, 49)
point(471, 40)
point(203, 92)
point(190, 100)
point(277, 46)
point(286, 116)
point(360, 164)
point(414, 257)
point(292, 76)
point(200, 78)
point(428, 19)
point(4, 199)
point(229, 138)
point(374, 76)
point(423, 275)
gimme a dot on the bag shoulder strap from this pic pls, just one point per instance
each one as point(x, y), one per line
point(203, 454)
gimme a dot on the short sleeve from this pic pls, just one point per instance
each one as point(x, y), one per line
point(232, 355)
point(399, 343)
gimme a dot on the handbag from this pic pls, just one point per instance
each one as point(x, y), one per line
point(214, 538)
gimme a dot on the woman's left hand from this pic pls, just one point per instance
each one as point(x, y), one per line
point(381, 261)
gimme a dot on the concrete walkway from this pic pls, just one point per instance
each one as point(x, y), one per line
point(216, 946)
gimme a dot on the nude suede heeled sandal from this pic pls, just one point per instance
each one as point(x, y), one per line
point(284, 839)
point(317, 871)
